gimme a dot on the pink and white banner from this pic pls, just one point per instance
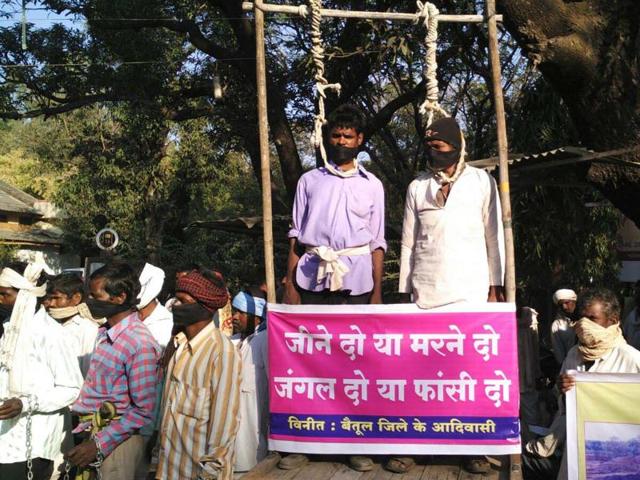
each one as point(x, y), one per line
point(393, 379)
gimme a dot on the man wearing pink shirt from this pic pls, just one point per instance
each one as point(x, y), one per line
point(337, 240)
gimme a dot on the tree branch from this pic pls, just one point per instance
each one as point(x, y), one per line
point(188, 27)
point(384, 115)
point(62, 108)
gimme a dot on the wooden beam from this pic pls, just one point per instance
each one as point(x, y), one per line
point(503, 150)
point(265, 160)
point(303, 10)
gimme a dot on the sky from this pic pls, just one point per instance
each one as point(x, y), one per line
point(36, 14)
point(607, 431)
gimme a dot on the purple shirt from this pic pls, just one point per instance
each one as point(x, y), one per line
point(124, 371)
point(339, 213)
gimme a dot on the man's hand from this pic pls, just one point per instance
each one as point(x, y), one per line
point(496, 294)
point(566, 382)
point(83, 454)
point(10, 408)
point(376, 298)
point(291, 294)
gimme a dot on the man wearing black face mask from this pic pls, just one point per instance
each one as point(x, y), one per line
point(452, 237)
point(202, 391)
point(123, 372)
point(337, 240)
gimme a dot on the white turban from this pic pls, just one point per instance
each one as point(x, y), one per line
point(564, 294)
point(23, 309)
point(151, 281)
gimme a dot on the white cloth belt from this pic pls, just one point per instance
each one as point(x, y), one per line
point(330, 263)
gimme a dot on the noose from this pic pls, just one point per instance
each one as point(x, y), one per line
point(322, 86)
point(427, 13)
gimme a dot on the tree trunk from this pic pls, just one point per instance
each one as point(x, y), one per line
point(589, 52)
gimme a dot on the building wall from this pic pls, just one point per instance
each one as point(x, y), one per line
point(56, 261)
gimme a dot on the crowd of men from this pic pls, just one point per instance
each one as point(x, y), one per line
point(99, 377)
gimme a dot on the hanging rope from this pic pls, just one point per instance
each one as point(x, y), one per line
point(322, 86)
point(427, 13)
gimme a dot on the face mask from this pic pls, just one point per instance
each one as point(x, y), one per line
point(441, 160)
point(104, 309)
point(341, 155)
point(5, 310)
point(62, 313)
point(189, 313)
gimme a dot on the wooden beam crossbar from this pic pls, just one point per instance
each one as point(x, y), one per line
point(490, 18)
point(303, 10)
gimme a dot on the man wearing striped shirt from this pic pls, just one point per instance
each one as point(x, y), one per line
point(202, 392)
point(123, 372)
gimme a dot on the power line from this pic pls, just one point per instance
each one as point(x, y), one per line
point(115, 19)
point(115, 64)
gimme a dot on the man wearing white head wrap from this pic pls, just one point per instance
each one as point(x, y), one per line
point(39, 378)
point(159, 321)
point(251, 441)
point(155, 316)
point(563, 336)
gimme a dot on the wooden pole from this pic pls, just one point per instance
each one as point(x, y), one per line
point(503, 150)
point(515, 472)
point(303, 10)
point(265, 163)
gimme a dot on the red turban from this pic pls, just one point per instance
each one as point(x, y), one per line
point(212, 295)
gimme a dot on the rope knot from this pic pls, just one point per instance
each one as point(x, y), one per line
point(425, 13)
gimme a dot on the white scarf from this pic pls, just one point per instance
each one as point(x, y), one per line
point(67, 312)
point(23, 310)
point(596, 341)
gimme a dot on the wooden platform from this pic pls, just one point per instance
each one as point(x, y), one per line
point(335, 468)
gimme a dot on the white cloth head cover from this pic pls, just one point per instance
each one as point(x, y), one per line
point(23, 310)
point(564, 294)
point(151, 281)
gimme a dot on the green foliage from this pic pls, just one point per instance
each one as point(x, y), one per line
point(7, 254)
point(564, 229)
point(148, 179)
point(151, 177)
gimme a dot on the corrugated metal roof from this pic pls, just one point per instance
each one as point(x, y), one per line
point(15, 200)
point(558, 157)
point(32, 236)
point(551, 156)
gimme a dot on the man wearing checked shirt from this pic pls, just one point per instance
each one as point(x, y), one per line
point(123, 371)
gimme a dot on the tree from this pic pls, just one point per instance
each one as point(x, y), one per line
point(100, 161)
point(168, 56)
point(589, 53)
point(160, 56)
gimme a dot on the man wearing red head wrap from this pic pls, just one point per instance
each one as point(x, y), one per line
point(202, 394)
